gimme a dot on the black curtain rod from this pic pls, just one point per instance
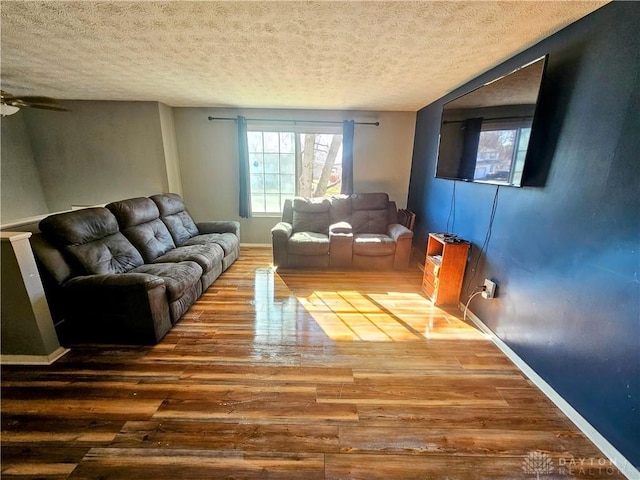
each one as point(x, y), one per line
point(375, 124)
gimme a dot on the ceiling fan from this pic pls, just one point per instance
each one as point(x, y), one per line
point(10, 104)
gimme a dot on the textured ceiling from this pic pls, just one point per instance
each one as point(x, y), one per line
point(334, 55)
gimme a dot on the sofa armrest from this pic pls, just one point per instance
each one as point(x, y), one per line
point(340, 245)
point(129, 308)
point(220, 226)
point(280, 235)
point(282, 230)
point(397, 232)
point(340, 228)
point(403, 238)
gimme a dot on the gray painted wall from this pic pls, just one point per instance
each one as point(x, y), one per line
point(98, 152)
point(105, 151)
point(21, 193)
point(208, 159)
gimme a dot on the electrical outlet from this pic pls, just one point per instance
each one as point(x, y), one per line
point(489, 289)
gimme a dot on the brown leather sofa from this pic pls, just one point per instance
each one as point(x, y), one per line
point(128, 272)
point(355, 231)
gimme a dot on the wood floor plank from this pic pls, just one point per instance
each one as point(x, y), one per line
point(152, 464)
point(159, 391)
point(384, 467)
point(460, 441)
point(26, 430)
point(290, 374)
point(258, 410)
point(31, 469)
point(412, 396)
point(455, 417)
point(40, 461)
point(291, 438)
point(81, 408)
point(313, 375)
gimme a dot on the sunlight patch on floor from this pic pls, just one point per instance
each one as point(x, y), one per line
point(422, 316)
point(353, 316)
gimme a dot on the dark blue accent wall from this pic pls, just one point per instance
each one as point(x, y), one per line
point(565, 254)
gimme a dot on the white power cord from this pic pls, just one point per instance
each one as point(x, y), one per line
point(464, 317)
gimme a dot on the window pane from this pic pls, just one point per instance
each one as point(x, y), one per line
point(335, 181)
point(271, 163)
point(288, 163)
point(288, 185)
point(321, 147)
point(272, 203)
point(287, 142)
point(257, 203)
point(271, 142)
point(272, 183)
point(324, 175)
point(257, 183)
point(255, 162)
point(254, 139)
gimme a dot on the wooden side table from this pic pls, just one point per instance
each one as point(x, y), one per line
point(444, 268)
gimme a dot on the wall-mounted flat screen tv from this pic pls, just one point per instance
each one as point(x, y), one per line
point(484, 134)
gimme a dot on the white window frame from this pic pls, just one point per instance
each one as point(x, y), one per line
point(288, 128)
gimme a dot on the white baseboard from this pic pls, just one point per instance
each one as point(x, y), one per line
point(617, 459)
point(33, 359)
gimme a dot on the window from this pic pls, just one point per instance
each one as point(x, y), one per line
point(287, 163)
point(501, 152)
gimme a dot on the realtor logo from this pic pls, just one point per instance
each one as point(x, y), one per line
point(538, 463)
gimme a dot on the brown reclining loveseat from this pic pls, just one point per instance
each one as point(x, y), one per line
point(343, 231)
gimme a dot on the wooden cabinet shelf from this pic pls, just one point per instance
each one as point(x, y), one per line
point(444, 267)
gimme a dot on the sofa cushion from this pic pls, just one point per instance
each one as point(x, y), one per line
point(152, 239)
point(308, 243)
point(311, 215)
point(370, 221)
point(134, 211)
point(207, 256)
point(140, 223)
point(227, 241)
point(111, 254)
point(179, 278)
point(369, 201)
point(370, 244)
point(340, 208)
point(168, 203)
point(91, 237)
point(52, 258)
point(139, 220)
point(370, 212)
point(79, 226)
point(175, 217)
point(181, 226)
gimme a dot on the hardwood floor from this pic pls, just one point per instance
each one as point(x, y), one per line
point(293, 375)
